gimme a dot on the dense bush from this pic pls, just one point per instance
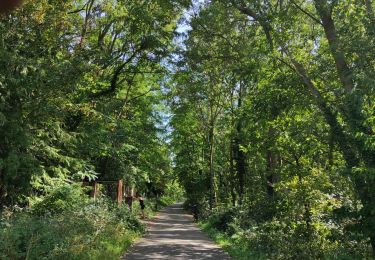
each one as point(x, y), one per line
point(68, 225)
point(197, 206)
point(62, 199)
point(282, 239)
point(165, 201)
point(223, 220)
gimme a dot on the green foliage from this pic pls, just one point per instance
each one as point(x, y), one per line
point(61, 199)
point(73, 228)
point(80, 94)
point(236, 248)
point(272, 132)
point(173, 193)
point(275, 239)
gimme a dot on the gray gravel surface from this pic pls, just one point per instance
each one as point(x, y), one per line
point(172, 234)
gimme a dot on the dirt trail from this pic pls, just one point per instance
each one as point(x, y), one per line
point(172, 234)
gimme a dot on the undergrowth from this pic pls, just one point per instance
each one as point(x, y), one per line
point(244, 236)
point(68, 225)
point(235, 248)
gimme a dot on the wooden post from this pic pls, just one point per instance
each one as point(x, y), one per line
point(94, 189)
point(119, 192)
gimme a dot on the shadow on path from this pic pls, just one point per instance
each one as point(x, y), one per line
point(173, 235)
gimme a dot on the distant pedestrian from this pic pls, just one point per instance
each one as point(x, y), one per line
point(142, 204)
point(195, 212)
point(129, 197)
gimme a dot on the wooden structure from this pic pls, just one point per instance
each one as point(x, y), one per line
point(119, 189)
point(129, 196)
point(119, 192)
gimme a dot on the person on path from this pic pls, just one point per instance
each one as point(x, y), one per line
point(142, 204)
point(129, 197)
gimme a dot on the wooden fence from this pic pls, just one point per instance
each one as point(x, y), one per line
point(119, 190)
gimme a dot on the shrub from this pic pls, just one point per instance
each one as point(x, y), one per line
point(281, 238)
point(61, 199)
point(68, 225)
point(166, 201)
point(222, 220)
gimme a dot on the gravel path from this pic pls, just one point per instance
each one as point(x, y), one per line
point(172, 234)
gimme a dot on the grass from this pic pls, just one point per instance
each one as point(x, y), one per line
point(113, 249)
point(232, 245)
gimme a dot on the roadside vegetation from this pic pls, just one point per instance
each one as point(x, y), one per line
point(246, 238)
point(68, 224)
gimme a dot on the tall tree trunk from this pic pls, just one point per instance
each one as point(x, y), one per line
point(345, 75)
point(232, 174)
point(352, 110)
point(2, 182)
point(212, 172)
point(364, 184)
point(2, 191)
point(241, 171)
point(272, 161)
point(240, 155)
point(306, 205)
point(271, 177)
point(331, 143)
point(372, 241)
point(344, 142)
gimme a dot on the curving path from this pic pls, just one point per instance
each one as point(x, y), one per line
point(172, 234)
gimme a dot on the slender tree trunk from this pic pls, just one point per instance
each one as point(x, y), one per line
point(2, 183)
point(306, 205)
point(212, 172)
point(2, 191)
point(232, 174)
point(240, 167)
point(241, 171)
point(364, 184)
point(352, 110)
point(330, 31)
point(88, 10)
point(233, 179)
point(331, 143)
point(372, 241)
point(272, 176)
point(240, 155)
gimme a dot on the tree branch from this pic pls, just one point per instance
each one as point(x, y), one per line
point(305, 12)
point(263, 23)
point(113, 85)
